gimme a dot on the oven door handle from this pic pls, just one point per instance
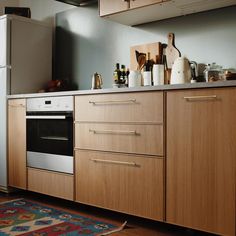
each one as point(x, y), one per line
point(46, 117)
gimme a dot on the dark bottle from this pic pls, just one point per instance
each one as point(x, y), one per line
point(127, 77)
point(116, 74)
point(149, 63)
point(127, 72)
point(122, 74)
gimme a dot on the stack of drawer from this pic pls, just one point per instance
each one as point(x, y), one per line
point(119, 152)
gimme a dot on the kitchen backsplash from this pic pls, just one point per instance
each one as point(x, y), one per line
point(86, 43)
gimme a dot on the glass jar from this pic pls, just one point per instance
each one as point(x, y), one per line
point(213, 72)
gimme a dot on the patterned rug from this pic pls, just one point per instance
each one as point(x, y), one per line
point(26, 218)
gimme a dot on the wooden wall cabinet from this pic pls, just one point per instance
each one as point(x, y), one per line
point(17, 143)
point(201, 134)
point(135, 12)
point(119, 152)
point(109, 7)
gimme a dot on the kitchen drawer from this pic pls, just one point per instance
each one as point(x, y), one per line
point(140, 139)
point(122, 107)
point(51, 183)
point(121, 182)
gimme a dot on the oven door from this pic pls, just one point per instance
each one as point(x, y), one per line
point(50, 141)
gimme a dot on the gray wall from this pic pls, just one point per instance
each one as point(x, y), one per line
point(44, 10)
point(86, 43)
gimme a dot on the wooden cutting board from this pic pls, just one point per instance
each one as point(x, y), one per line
point(154, 49)
point(171, 51)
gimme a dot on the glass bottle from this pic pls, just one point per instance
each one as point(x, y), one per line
point(116, 74)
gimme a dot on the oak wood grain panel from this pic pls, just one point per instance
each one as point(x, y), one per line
point(134, 189)
point(148, 107)
point(17, 143)
point(141, 3)
point(201, 153)
point(107, 7)
point(142, 139)
point(51, 183)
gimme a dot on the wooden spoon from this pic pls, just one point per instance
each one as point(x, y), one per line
point(141, 61)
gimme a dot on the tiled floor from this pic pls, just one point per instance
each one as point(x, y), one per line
point(135, 227)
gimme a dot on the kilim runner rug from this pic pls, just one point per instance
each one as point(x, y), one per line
point(25, 218)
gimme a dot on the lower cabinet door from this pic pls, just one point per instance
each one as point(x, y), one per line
point(121, 182)
point(51, 183)
point(17, 143)
point(201, 159)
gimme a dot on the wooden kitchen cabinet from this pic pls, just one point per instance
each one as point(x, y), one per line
point(200, 182)
point(17, 143)
point(121, 182)
point(109, 7)
point(51, 183)
point(135, 12)
point(119, 144)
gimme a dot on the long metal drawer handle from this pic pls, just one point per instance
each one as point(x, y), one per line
point(112, 102)
point(131, 132)
point(115, 162)
point(206, 97)
point(46, 117)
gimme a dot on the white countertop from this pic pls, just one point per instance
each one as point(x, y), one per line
point(229, 83)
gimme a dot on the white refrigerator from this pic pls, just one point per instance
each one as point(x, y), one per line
point(25, 67)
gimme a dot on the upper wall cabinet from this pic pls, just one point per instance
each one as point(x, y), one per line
point(135, 12)
point(110, 7)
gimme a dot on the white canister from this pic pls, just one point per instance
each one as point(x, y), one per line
point(158, 74)
point(135, 78)
point(147, 78)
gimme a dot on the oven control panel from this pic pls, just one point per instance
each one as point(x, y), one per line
point(60, 103)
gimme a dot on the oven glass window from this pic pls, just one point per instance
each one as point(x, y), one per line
point(52, 136)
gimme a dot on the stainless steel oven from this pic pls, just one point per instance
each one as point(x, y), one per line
point(50, 133)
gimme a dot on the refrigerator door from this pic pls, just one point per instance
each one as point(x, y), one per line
point(4, 80)
point(31, 56)
point(4, 45)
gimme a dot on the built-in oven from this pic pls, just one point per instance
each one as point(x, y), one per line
point(49, 124)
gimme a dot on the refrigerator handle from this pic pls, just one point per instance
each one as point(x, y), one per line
point(7, 67)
